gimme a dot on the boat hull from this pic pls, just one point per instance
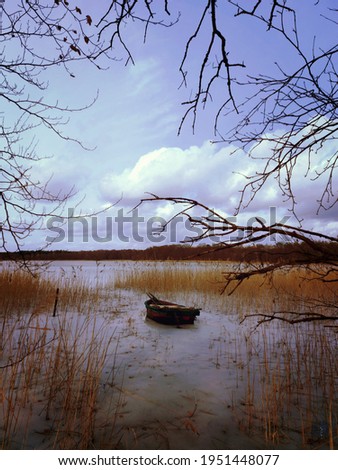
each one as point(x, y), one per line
point(171, 314)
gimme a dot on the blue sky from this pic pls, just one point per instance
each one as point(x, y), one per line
point(132, 131)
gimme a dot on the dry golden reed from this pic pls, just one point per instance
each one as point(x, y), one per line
point(292, 392)
point(290, 371)
point(51, 367)
point(208, 279)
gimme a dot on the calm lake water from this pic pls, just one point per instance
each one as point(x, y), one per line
point(178, 384)
point(217, 384)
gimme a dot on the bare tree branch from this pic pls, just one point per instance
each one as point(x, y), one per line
point(313, 250)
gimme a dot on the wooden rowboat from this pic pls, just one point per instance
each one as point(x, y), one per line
point(170, 313)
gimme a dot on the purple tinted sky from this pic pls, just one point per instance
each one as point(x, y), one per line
point(132, 128)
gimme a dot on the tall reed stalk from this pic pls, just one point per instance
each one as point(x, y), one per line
point(295, 385)
point(51, 367)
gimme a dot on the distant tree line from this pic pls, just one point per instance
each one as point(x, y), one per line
point(290, 252)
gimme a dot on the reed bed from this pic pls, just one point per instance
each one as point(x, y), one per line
point(289, 372)
point(281, 289)
point(58, 374)
point(20, 291)
point(209, 277)
point(291, 385)
point(52, 366)
point(170, 277)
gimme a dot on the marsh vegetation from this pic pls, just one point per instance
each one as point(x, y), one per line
point(98, 375)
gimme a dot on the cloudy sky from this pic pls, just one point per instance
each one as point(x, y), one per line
point(132, 131)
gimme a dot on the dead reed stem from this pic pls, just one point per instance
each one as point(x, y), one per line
point(51, 366)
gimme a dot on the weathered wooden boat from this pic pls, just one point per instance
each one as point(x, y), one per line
point(170, 313)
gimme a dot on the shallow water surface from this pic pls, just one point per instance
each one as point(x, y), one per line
point(217, 384)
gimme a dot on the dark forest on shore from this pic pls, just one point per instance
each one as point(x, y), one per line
point(257, 253)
